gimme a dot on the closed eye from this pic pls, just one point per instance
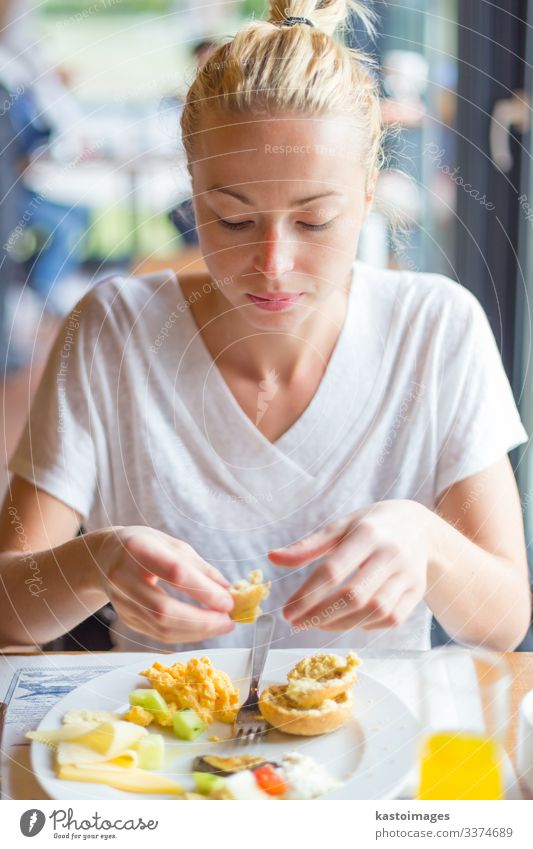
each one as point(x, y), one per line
point(240, 225)
point(232, 225)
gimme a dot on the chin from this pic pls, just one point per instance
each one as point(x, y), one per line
point(277, 322)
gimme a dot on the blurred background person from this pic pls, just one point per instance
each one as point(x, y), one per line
point(46, 241)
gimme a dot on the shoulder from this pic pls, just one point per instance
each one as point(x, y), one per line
point(123, 292)
point(417, 287)
point(122, 303)
point(420, 298)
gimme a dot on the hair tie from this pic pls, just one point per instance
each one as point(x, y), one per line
point(290, 22)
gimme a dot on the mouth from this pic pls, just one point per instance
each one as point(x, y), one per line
point(275, 301)
point(277, 296)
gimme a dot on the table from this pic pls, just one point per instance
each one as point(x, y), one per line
point(522, 667)
point(521, 664)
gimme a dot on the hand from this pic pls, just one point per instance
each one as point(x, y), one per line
point(132, 560)
point(374, 572)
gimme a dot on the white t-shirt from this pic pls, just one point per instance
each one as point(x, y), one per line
point(134, 424)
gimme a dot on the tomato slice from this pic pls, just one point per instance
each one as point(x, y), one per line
point(270, 781)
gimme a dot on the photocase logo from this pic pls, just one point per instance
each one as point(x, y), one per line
point(32, 822)
point(267, 389)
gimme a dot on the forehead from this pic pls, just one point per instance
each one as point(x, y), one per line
point(232, 148)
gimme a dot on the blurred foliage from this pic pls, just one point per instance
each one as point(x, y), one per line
point(95, 7)
point(249, 8)
point(110, 235)
point(254, 9)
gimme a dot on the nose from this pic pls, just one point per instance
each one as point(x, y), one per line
point(274, 255)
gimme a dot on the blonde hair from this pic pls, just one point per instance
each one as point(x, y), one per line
point(268, 67)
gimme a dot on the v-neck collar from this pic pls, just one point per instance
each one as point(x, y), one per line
point(291, 467)
point(294, 434)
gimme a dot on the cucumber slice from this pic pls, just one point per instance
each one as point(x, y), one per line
point(151, 751)
point(150, 700)
point(207, 783)
point(187, 724)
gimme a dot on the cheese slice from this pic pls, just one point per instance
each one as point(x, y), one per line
point(132, 780)
point(76, 753)
point(53, 736)
point(111, 739)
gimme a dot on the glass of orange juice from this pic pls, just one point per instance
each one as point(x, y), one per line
point(464, 707)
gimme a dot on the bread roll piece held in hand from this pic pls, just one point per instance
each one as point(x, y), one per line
point(247, 595)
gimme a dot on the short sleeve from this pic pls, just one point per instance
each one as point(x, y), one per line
point(57, 450)
point(478, 419)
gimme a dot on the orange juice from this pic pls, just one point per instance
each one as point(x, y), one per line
point(460, 766)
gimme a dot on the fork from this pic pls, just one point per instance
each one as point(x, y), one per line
point(249, 723)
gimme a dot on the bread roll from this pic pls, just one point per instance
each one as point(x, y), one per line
point(280, 712)
point(320, 677)
point(247, 595)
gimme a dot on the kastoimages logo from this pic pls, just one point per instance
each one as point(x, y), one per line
point(32, 822)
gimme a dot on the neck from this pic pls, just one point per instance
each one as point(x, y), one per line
point(257, 354)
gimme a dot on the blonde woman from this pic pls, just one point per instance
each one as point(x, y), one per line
point(342, 428)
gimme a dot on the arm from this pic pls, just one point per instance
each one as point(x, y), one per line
point(478, 584)
point(467, 561)
point(50, 582)
point(47, 579)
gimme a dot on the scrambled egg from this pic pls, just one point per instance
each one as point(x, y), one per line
point(139, 716)
point(197, 685)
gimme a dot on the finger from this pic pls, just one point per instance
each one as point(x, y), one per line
point(346, 601)
point(324, 580)
point(366, 591)
point(171, 636)
point(401, 612)
point(369, 620)
point(171, 620)
point(177, 567)
point(312, 547)
point(210, 571)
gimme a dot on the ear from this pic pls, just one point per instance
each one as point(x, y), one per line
point(370, 190)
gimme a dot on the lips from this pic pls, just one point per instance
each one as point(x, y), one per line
point(277, 296)
point(275, 302)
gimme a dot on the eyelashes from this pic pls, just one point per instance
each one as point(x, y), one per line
point(241, 225)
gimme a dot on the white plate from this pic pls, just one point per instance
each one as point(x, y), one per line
point(372, 754)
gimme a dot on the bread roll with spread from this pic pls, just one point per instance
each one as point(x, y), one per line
point(281, 712)
point(323, 676)
point(318, 698)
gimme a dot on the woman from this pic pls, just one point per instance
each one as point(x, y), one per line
point(342, 428)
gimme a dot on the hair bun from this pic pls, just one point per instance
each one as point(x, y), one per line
point(293, 21)
point(326, 15)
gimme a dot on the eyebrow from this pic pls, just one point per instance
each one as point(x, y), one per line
point(245, 200)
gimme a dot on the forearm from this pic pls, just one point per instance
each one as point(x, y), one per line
point(44, 594)
point(478, 597)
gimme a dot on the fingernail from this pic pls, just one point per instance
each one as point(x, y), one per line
point(289, 547)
